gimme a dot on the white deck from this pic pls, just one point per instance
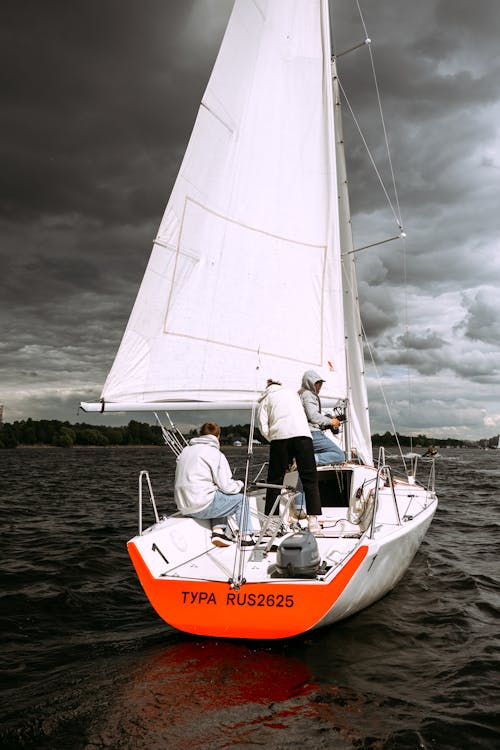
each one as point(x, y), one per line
point(180, 547)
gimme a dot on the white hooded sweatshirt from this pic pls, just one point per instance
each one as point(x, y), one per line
point(201, 470)
point(280, 414)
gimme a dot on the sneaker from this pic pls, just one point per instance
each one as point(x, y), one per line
point(247, 543)
point(219, 539)
point(298, 513)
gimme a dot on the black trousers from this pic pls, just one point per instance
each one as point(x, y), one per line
point(281, 455)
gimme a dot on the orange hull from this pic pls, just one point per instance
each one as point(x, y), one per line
point(277, 609)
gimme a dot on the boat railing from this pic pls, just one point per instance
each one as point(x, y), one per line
point(431, 482)
point(381, 456)
point(276, 522)
point(412, 474)
point(144, 475)
point(384, 479)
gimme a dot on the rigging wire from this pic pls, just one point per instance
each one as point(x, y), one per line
point(378, 377)
point(396, 211)
point(396, 196)
point(382, 118)
point(370, 156)
point(239, 560)
point(379, 383)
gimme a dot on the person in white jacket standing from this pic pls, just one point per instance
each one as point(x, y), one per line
point(283, 422)
point(204, 487)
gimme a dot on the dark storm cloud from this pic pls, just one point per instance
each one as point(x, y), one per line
point(95, 124)
point(85, 95)
point(99, 99)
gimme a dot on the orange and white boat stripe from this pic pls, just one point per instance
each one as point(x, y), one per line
point(276, 609)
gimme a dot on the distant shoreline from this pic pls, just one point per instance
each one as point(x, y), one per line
point(53, 433)
point(106, 447)
point(78, 447)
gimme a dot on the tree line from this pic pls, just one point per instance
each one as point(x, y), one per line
point(388, 439)
point(65, 435)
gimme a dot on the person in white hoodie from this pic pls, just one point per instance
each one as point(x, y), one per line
point(282, 421)
point(204, 487)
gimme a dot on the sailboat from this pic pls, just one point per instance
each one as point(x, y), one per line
point(251, 276)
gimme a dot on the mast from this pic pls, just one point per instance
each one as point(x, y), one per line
point(358, 434)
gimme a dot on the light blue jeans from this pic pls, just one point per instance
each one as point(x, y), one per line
point(223, 506)
point(325, 451)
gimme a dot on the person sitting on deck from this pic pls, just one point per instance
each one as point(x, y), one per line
point(325, 450)
point(204, 487)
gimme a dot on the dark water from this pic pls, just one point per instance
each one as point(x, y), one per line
point(86, 663)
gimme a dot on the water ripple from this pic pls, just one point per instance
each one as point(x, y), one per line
point(87, 664)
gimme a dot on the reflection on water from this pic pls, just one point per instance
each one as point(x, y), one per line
point(215, 694)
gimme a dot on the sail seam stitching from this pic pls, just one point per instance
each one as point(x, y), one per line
point(224, 217)
point(240, 348)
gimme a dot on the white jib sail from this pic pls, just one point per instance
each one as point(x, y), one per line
point(245, 271)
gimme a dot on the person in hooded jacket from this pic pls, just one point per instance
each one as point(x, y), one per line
point(204, 487)
point(325, 450)
point(282, 421)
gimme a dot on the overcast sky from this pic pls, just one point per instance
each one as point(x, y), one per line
point(99, 98)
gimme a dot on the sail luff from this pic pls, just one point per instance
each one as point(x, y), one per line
point(333, 229)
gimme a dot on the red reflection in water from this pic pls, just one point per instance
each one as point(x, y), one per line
point(220, 694)
point(220, 674)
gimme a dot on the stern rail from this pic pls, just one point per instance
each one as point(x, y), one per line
point(145, 475)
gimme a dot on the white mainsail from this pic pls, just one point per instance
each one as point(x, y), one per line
point(245, 278)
